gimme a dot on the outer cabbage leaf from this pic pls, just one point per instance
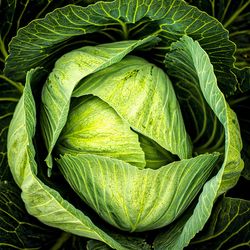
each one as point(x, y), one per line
point(25, 53)
point(240, 103)
point(234, 16)
point(227, 228)
point(41, 201)
point(8, 99)
point(243, 76)
point(18, 229)
point(43, 40)
point(189, 59)
point(135, 199)
point(15, 14)
point(202, 124)
point(7, 11)
point(192, 63)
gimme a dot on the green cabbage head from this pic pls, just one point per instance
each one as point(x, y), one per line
point(131, 141)
point(124, 147)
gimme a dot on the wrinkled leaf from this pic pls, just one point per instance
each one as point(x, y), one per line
point(19, 230)
point(7, 10)
point(40, 200)
point(174, 20)
point(43, 40)
point(8, 99)
point(191, 61)
point(241, 105)
point(235, 16)
point(227, 228)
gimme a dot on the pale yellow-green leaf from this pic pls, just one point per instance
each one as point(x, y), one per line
point(135, 199)
point(94, 127)
point(143, 95)
point(42, 201)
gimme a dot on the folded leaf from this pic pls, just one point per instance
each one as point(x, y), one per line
point(143, 95)
point(190, 60)
point(227, 228)
point(93, 127)
point(135, 199)
point(40, 200)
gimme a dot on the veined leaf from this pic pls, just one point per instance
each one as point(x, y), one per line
point(202, 124)
point(188, 56)
point(39, 42)
point(135, 199)
point(6, 112)
point(143, 95)
point(67, 73)
point(243, 76)
point(234, 16)
point(227, 228)
point(18, 229)
point(9, 96)
point(129, 242)
point(44, 40)
point(93, 127)
point(7, 10)
point(241, 105)
point(40, 200)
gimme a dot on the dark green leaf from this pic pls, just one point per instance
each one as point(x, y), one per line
point(7, 10)
point(235, 16)
point(8, 100)
point(227, 228)
point(246, 158)
point(199, 28)
point(241, 105)
point(243, 76)
point(16, 14)
point(70, 241)
point(18, 230)
point(97, 245)
point(42, 40)
point(5, 116)
point(131, 243)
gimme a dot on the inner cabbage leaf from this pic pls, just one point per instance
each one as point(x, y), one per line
point(143, 95)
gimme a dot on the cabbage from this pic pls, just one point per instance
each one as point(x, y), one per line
point(123, 129)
